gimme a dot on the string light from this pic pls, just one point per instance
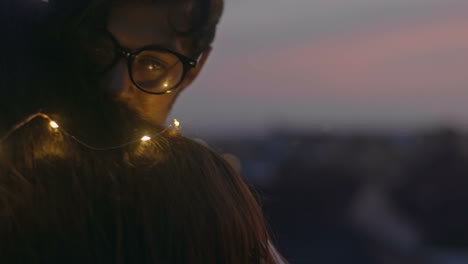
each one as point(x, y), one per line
point(145, 138)
point(53, 124)
point(56, 127)
point(176, 124)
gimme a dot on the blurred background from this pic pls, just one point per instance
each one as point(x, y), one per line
point(350, 118)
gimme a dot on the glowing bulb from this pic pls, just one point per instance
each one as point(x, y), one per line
point(53, 124)
point(166, 84)
point(176, 123)
point(145, 138)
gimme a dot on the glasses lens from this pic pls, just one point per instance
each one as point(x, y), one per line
point(99, 51)
point(157, 71)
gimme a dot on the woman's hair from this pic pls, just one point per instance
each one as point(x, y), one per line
point(168, 200)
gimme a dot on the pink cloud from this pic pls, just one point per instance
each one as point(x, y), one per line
point(404, 59)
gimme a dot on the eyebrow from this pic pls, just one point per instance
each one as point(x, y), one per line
point(167, 44)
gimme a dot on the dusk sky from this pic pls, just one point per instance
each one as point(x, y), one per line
point(334, 65)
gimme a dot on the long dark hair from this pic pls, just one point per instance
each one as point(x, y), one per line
point(170, 200)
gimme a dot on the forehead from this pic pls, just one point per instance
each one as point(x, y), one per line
point(136, 25)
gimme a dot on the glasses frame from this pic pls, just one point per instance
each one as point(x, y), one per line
point(129, 55)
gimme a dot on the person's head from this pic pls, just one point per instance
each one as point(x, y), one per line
point(80, 46)
point(168, 200)
point(55, 62)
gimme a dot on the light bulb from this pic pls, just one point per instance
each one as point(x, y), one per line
point(53, 124)
point(145, 138)
point(176, 123)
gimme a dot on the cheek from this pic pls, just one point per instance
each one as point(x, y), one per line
point(156, 107)
point(155, 102)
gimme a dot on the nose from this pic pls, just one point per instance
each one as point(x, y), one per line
point(117, 82)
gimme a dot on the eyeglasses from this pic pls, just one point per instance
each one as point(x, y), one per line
point(153, 69)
